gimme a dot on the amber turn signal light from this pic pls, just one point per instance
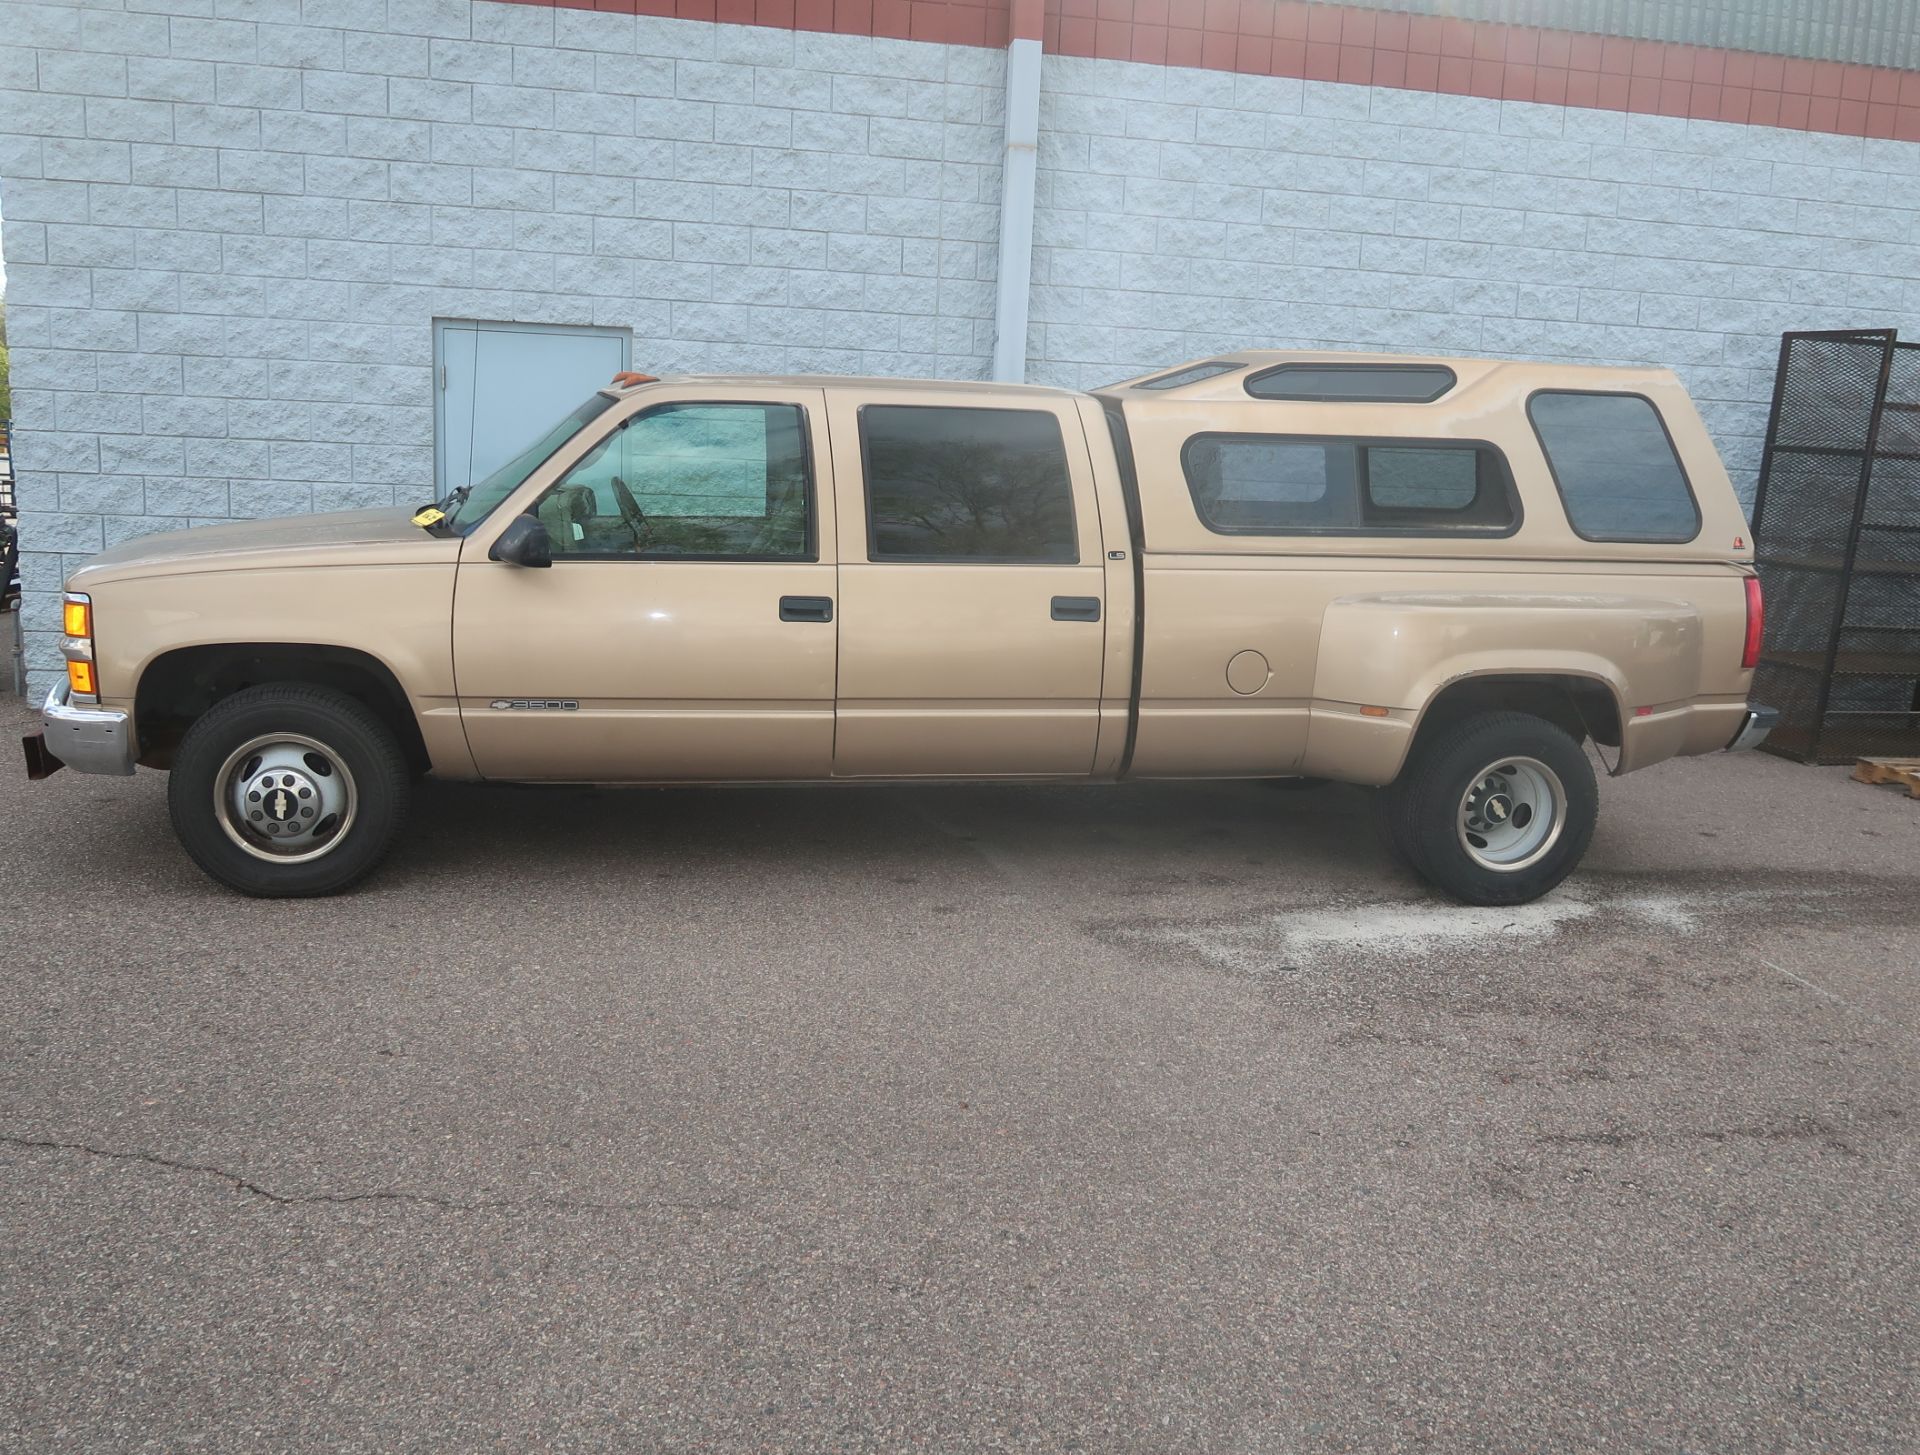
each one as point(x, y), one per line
point(76, 618)
point(80, 678)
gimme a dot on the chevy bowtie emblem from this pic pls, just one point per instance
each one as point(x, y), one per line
point(534, 704)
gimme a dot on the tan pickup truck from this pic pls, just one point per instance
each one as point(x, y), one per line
point(1440, 577)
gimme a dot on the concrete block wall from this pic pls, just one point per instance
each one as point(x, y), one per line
point(1183, 211)
point(228, 231)
point(229, 225)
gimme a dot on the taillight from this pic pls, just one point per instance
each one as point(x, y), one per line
point(1756, 618)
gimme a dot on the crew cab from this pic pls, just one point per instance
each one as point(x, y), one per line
point(1441, 578)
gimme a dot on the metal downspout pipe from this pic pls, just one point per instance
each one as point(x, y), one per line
point(1018, 170)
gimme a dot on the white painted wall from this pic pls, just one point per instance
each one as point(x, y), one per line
point(228, 233)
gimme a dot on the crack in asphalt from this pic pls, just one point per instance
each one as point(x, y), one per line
point(427, 1199)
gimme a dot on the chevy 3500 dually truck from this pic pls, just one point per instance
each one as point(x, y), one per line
point(1438, 577)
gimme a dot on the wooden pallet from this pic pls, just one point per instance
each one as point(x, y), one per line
point(1903, 771)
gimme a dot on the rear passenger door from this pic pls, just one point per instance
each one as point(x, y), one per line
point(972, 592)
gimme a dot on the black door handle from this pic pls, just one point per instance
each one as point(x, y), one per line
point(1076, 608)
point(806, 608)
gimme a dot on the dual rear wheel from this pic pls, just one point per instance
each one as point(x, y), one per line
point(1494, 809)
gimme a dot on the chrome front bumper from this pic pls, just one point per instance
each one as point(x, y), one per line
point(86, 739)
point(1760, 721)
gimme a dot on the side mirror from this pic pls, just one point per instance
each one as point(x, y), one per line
point(524, 542)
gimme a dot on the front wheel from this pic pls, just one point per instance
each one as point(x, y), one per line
point(1495, 809)
point(287, 791)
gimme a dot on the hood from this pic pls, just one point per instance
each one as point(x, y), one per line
point(386, 535)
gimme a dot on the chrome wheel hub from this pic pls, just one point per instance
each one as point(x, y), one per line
point(284, 798)
point(1512, 813)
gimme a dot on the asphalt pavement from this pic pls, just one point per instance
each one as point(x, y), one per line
point(1159, 1118)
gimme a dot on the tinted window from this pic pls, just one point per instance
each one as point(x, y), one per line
point(1273, 484)
point(1415, 479)
point(966, 485)
point(1438, 487)
point(1256, 483)
point(703, 480)
point(1353, 383)
point(1188, 376)
point(1615, 466)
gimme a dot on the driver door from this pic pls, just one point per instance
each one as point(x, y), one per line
point(685, 630)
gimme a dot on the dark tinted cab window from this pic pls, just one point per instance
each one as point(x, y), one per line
point(1615, 467)
point(949, 484)
point(1282, 485)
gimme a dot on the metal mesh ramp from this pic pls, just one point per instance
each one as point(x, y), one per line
point(1837, 535)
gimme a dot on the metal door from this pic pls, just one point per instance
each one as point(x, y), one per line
point(653, 660)
point(501, 384)
point(967, 650)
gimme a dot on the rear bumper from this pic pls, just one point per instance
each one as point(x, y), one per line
point(1760, 721)
point(85, 739)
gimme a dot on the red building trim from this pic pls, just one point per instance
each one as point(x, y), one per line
point(1320, 42)
point(1323, 42)
point(943, 22)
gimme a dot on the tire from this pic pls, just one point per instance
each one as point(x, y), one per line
point(1467, 810)
point(1392, 832)
point(286, 791)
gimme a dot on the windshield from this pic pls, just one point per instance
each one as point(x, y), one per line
point(471, 504)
